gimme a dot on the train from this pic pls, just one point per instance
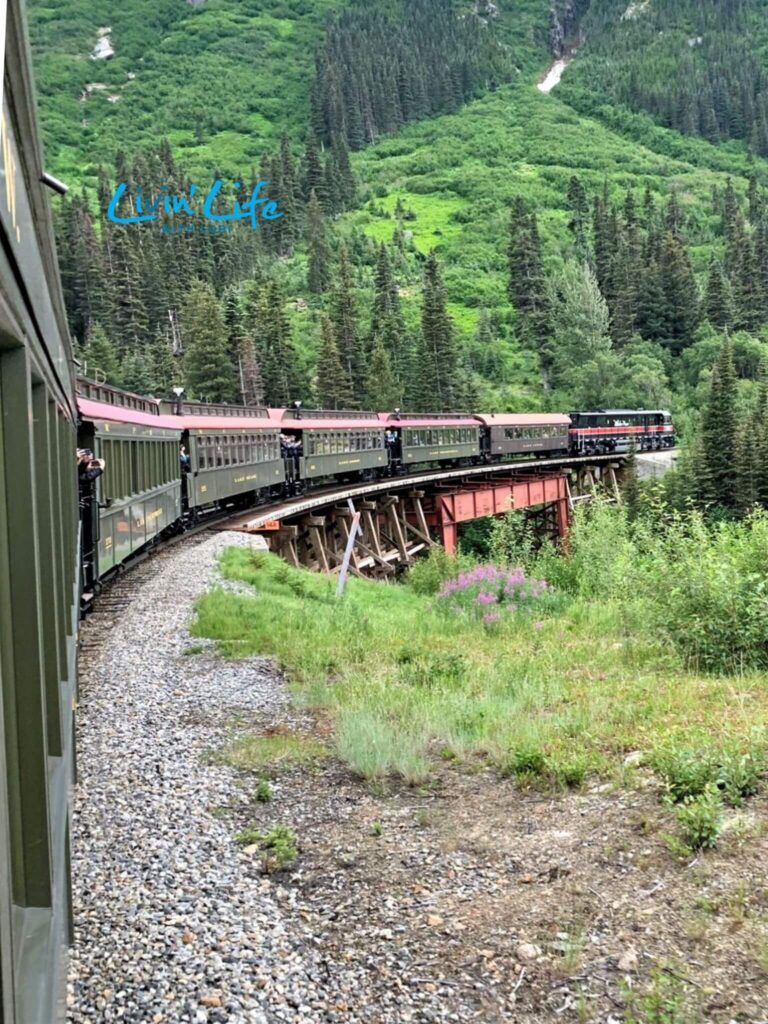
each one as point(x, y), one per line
point(39, 544)
point(170, 463)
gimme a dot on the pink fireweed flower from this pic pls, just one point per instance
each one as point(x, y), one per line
point(484, 598)
point(538, 625)
point(491, 617)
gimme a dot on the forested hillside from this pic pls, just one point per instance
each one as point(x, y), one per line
point(451, 236)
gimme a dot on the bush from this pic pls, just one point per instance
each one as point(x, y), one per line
point(280, 848)
point(700, 819)
point(428, 574)
point(264, 792)
point(740, 775)
point(686, 773)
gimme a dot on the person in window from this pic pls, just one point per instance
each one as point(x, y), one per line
point(88, 468)
point(183, 459)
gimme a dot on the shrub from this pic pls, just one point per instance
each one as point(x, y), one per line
point(686, 773)
point(264, 792)
point(739, 776)
point(527, 761)
point(700, 819)
point(428, 574)
point(280, 848)
point(248, 837)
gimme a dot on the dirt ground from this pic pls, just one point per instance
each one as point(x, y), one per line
point(477, 900)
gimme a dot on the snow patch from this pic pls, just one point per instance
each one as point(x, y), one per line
point(636, 9)
point(103, 49)
point(553, 76)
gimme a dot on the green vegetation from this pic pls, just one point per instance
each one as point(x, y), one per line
point(634, 242)
point(278, 847)
point(264, 793)
point(259, 753)
point(615, 665)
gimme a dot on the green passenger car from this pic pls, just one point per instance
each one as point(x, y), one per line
point(336, 451)
point(440, 443)
point(139, 494)
point(226, 463)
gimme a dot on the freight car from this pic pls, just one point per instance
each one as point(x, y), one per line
point(38, 564)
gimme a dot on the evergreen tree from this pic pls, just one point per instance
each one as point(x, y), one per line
point(99, 358)
point(717, 470)
point(318, 250)
point(439, 370)
point(284, 381)
point(578, 208)
point(346, 331)
point(527, 283)
point(384, 392)
point(334, 388)
point(251, 379)
point(580, 321)
point(210, 373)
point(718, 302)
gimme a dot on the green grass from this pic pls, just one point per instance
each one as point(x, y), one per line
point(405, 686)
point(258, 753)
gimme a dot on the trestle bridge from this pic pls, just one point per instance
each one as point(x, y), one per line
point(382, 526)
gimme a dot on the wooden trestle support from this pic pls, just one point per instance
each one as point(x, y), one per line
point(393, 530)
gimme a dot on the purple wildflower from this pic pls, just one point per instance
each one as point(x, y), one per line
point(491, 617)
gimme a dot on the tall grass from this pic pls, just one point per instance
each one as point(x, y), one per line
point(615, 665)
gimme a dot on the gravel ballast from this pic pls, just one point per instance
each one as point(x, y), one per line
point(169, 927)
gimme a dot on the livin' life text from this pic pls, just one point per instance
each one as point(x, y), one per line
point(143, 209)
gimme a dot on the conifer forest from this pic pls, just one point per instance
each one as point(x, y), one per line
point(451, 236)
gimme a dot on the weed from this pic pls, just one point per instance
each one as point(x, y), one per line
point(700, 819)
point(280, 848)
point(568, 774)
point(377, 828)
point(254, 753)
point(680, 850)
point(686, 773)
point(739, 776)
point(665, 1001)
point(527, 762)
point(264, 793)
point(194, 649)
point(248, 837)
point(423, 817)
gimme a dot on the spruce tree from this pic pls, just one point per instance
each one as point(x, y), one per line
point(718, 303)
point(717, 470)
point(98, 356)
point(210, 374)
point(334, 388)
point(346, 330)
point(384, 392)
point(527, 282)
point(440, 366)
point(318, 250)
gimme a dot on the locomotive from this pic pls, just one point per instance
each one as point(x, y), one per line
point(242, 456)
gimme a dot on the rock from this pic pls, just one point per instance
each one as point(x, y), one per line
point(187, 937)
point(526, 952)
point(210, 1001)
point(633, 759)
point(628, 961)
point(434, 920)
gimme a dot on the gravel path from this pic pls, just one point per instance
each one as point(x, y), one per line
point(169, 927)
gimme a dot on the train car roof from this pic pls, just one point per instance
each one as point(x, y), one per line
point(286, 420)
point(425, 420)
point(232, 424)
point(90, 410)
point(622, 412)
point(527, 419)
